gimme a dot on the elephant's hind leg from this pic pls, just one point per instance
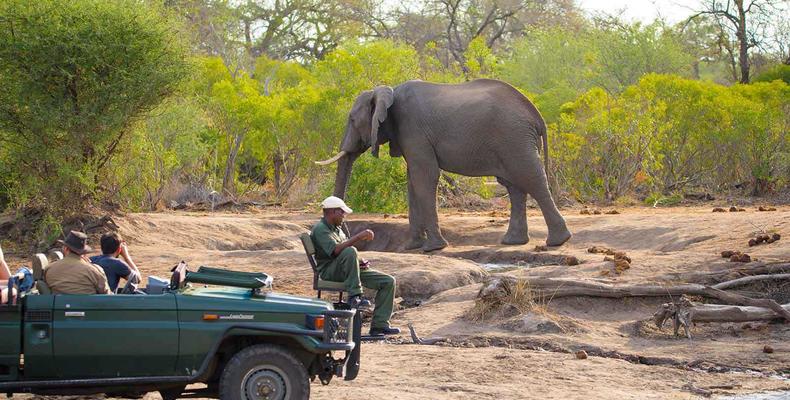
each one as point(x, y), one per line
point(517, 231)
point(532, 180)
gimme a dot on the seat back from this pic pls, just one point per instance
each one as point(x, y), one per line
point(40, 264)
point(309, 249)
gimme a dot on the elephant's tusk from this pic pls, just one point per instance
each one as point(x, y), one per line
point(333, 159)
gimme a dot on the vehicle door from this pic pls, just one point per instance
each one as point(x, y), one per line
point(10, 340)
point(102, 336)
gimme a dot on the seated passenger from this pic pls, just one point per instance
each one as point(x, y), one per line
point(74, 274)
point(112, 246)
point(338, 261)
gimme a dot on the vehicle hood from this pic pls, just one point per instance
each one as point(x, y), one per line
point(236, 300)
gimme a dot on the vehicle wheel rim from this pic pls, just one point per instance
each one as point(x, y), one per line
point(264, 384)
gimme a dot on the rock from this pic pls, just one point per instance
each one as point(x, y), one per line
point(719, 209)
point(585, 211)
point(581, 355)
point(733, 209)
point(776, 236)
point(761, 208)
point(768, 349)
point(727, 253)
point(612, 212)
point(596, 212)
point(541, 248)
point(752, 243)
point(570, 260)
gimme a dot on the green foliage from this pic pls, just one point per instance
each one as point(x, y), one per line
point(377, 185)
point(667, 133)
point(75, 75)
point(778, 72)
point(560, 64)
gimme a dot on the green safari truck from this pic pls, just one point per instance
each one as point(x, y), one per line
point(222, 328)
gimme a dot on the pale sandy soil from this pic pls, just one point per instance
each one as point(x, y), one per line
point(502, 364)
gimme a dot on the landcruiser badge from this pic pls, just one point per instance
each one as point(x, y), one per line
point(237, 316)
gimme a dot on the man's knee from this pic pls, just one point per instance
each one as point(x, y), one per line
point(348, 253)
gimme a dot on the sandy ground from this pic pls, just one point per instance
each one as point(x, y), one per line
point(504, 359)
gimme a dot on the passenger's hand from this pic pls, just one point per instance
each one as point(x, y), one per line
point(124, 250)
point(2, 258)
point(364, 264)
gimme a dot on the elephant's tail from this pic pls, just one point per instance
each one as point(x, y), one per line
point(545, 139)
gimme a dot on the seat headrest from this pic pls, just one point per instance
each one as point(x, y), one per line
point(40, 263)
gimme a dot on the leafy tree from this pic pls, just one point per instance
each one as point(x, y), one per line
point(76, 75)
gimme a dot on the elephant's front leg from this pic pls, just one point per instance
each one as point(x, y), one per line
point(517, 231)
point(416, 227)
point(424, 180)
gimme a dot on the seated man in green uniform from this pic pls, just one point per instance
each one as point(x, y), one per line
point(338, 261)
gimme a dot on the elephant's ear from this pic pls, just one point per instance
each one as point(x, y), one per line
point(382, 100)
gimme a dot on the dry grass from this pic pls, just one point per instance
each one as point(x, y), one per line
point(509, 298)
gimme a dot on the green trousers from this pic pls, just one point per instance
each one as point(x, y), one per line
point(345, 268)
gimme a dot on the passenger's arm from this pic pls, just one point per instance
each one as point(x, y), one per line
point(128, 259)
point(5, 273)
point(367, 234)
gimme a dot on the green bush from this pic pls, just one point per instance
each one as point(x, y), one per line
point(377, 185)
point(75, 76)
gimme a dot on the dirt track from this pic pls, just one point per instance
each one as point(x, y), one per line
point(494, 360)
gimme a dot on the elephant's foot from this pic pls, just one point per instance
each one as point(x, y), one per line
point(434, 244)
point(558, 237)
point(415, 243)
point(515, 238)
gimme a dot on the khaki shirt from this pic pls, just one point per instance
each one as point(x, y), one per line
point(72, 275)
point(325, 238)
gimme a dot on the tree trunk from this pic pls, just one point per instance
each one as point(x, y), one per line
point(229, 178)
point(743, 43)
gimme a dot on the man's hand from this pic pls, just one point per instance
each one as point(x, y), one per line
point(367, 234)
point(364, 264)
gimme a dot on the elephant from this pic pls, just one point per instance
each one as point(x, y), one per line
point(484, 127)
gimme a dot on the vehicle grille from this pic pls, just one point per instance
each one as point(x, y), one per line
point(38, 316)
point(338, 326)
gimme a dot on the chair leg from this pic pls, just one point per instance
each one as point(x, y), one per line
point(319, 294)
point(340, 297)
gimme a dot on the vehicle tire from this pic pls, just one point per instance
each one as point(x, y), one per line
point(172, 393)
point(264, 372)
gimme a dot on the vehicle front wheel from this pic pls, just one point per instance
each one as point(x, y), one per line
point(264, 372)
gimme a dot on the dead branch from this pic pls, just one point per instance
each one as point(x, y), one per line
point(551, 288)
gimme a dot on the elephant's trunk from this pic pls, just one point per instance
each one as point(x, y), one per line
point(343, 175)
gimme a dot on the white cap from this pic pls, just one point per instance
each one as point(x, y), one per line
point(336, 202)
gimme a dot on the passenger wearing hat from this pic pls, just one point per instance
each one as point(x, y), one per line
point(338, 261)
point(73, 274)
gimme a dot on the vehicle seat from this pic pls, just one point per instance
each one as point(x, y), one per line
point(40, 263)
point(178, 279)
point(319, 284)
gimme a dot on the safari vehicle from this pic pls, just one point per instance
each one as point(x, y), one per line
point(222, 328)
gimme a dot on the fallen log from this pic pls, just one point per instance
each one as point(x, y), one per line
point(713, 277)
point(749, 279)
point(729, 313)
point(547, 289)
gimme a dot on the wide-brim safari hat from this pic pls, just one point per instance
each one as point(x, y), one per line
point(76, 242)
